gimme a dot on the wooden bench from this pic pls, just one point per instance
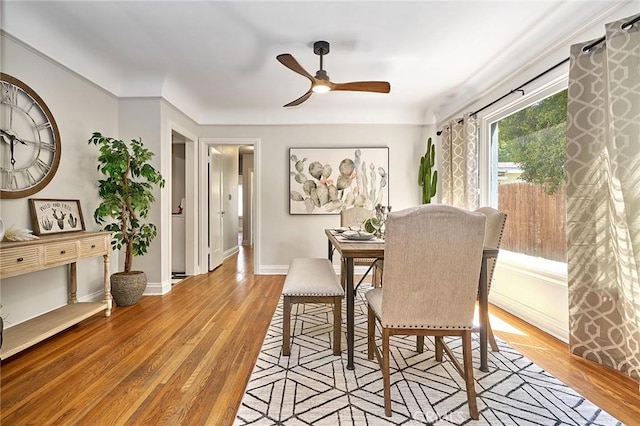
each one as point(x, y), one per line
point(311, 280)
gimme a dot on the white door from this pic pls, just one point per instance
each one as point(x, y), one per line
point(216, 211)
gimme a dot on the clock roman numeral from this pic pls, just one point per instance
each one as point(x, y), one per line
point(29, 177)
point(40, 127)
point(42, 166)
point(13, 180)
point(48, 146)
point(30, 107)
point(10, 94)
point(9, 180)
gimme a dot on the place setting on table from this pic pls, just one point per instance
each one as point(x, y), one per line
point(368, 229)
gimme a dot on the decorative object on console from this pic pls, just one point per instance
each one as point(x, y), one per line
point(55, 216)
point(19, 234)
point(326, 180)
point(127, 196)
point(427, 178)
point(321, 83)
point(30, 135)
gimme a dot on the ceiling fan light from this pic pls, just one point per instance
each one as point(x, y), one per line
point(320, 88)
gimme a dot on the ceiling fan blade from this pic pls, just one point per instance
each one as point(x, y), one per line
point(364, 86)
point(288, 61)
point(300, 100)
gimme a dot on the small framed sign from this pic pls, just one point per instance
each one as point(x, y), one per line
point(55, 216)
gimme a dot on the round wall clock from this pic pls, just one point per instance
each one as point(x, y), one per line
point(29, 140)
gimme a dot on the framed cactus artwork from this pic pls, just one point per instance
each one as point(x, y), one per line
point(55, 216)
point(326, 180)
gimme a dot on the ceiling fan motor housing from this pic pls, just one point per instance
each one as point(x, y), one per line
point(321, 47)
point(322, 75)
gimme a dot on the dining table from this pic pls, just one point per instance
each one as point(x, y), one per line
point(374, 249)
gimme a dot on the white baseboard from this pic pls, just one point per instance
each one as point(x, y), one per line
point(535, 317)
point(96, 296)
point(272, 270)
point(230, 252)
point(157, 289)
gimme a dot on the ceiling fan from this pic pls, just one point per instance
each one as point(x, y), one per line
point(321, 83)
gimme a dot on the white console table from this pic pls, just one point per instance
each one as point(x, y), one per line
point(19, 258)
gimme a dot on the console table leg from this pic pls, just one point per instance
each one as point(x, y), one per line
point(73, 283)
point(107, 286)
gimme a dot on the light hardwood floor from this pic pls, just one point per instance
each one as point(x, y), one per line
point(185, 358)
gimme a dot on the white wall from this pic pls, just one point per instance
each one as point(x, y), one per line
point(283, 236)
point(79, 108)
point(140, 118)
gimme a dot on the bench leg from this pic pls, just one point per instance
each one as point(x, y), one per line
point(286, 326)
point(337, 324)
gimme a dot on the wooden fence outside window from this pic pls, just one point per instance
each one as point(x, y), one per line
point(536, 222)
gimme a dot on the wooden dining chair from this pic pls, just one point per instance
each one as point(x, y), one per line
point(433, 255)
point(354, 216)
point(494, 228)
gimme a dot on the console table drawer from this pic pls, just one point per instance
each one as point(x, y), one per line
point(60, 252)
point(93, 246)
point(19, 259)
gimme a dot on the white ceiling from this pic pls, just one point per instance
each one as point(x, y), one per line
point(215, 60)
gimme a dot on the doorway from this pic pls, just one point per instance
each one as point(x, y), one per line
point(235, 151)
point(215, 209)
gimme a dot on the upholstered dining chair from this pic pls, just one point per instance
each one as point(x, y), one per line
point(354, 216)
point(494, 228)
point(433, 255)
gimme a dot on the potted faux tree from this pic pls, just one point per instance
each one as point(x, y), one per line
point(127, 195)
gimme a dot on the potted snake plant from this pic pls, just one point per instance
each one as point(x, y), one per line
point(127, 195)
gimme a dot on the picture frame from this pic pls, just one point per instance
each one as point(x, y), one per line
point(53, 216)
point(326, 180)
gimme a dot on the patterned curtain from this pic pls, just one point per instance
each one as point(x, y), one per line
point(603, 198)
point(459, 176)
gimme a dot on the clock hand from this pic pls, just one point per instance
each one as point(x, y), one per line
point(12, 144)
point(13, 160)
point(6, 135)
point(11, 137)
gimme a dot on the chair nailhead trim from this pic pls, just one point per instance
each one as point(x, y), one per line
point(429, 327)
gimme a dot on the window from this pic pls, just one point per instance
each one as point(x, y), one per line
point(527, 179)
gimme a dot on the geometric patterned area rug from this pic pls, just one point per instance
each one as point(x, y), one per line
point(313, 387)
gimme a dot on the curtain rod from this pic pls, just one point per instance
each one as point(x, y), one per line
point(519, 88)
